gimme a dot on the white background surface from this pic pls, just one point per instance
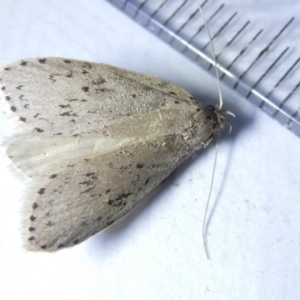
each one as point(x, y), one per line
point(156, 252)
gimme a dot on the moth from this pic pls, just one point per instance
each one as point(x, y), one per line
point(96, 140)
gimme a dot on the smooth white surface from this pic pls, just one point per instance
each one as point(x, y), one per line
point(156, 252)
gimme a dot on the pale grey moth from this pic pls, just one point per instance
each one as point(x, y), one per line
point(97, 139)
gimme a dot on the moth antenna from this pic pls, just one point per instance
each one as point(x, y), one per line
point(213, 55)
point(209, 196)
point(218, 133)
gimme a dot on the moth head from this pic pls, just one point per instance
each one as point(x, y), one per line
point(207, 122)
point(218, 118)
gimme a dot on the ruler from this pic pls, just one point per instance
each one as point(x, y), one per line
point(256, 59)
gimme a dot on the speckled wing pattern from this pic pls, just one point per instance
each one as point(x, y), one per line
point(97, 140)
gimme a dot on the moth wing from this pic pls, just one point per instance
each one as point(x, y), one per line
point(69, 97)
point(101, 138)
point(68, 204)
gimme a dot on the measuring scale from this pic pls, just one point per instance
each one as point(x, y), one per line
point(257, 59)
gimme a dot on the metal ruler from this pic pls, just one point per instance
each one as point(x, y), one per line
point(261, 64)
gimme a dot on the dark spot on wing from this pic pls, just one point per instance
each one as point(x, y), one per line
point(42, 60)
point(99, 81)
point(109, 222)
point(86, 64)
point(64, 106)
point(41, 191)
point(88, 182)
point(103, 90)
point(68, 114)
point(119, 201)
point(88, 190)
